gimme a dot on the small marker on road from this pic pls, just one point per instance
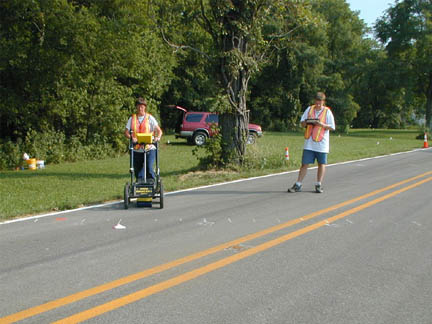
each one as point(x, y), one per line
point(119, 226)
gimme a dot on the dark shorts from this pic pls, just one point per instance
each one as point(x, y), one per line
point(310, 156)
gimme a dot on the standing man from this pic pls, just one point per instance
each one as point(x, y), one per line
point(143, 122)
point(319, 121)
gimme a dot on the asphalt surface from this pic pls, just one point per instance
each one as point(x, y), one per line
point(371, 264)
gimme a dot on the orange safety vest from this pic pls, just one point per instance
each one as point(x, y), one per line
point(317, 132)
point(143, 127)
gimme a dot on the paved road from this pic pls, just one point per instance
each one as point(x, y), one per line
point(246, 252)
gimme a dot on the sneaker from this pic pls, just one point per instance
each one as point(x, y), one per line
point(295, 188)
point(318, 189)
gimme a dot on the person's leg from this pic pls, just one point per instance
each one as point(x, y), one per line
point(322, 161)
point(151, 157)
point(307, 158)
point(321, 172)
point(302, 172)
point(138, 166)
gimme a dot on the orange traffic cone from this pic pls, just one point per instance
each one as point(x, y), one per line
point(286, 154)
point(425, 143)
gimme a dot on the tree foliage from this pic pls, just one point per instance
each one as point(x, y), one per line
point(72, 68)
point(406, 32)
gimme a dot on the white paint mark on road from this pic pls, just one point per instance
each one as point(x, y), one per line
point(415, 223)
point(119, 226)
point(36, 220)
point(229, 220)
point(82, 221)
point(347, 220)
point(204, 222)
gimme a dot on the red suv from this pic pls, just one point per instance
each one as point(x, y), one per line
point(196, 127)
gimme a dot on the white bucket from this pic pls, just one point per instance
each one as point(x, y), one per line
point(40, 164)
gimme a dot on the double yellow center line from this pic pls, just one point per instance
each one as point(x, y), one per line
point(98, 310)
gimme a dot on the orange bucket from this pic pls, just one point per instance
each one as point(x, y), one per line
point(31, 164)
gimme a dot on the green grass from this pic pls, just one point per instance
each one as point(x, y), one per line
point(71, 185)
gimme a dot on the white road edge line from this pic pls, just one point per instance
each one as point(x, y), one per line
point(198, 188)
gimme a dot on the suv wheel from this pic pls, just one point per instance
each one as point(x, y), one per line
point(199, 138)
point(251, 139)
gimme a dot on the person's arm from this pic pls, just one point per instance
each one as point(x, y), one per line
point(325, 126)
point(159, 133)
point(304, 117)
point(330, 124)
point(156, 129)
point(127, 131)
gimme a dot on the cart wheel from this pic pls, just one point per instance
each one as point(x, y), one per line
point(126, 196)
point(161, 195)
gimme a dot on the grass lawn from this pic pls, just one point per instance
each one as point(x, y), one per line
point(71, 185)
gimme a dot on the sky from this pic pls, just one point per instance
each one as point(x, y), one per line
point(370, 10)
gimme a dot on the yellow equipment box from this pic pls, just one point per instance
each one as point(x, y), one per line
point(145, 138)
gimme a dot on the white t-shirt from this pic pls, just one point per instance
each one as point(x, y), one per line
point(324, 145)
point(153, 124)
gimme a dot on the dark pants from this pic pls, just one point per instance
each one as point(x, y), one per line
point(138, 163)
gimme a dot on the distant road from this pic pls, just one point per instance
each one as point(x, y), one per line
point(245, 252)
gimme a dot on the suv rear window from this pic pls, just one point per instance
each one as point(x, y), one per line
point(212, 118)
point(194, 118)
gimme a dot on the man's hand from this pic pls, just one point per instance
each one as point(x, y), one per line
point(325, 126)
point(134, 139)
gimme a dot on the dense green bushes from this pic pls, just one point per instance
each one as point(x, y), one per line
point(69, 75)
point(55, 147)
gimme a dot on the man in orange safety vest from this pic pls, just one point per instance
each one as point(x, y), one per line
point(318, 121)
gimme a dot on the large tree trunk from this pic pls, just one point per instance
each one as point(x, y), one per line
point(429, 104)
point(234, 129)
point(235, 123)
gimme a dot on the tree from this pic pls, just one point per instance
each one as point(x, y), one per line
point(74, 67)
point(345, 60)
point(242, 36)
point(406, 32)
point(289, 79)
